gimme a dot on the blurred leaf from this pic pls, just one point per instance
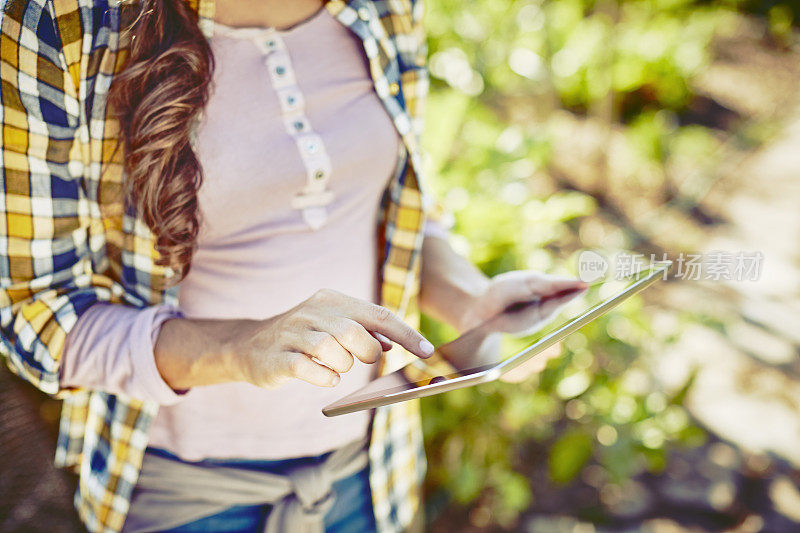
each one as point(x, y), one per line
point(568, 455)
point(514, 491)
point(468, 483)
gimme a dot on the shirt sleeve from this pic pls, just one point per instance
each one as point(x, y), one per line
point(47, 275)
point(111, 348)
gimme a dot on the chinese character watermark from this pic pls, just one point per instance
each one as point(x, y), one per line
point(718, 265)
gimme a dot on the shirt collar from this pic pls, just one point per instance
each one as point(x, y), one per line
point(205, 12)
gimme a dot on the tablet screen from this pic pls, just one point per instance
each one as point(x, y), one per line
point(505, 340)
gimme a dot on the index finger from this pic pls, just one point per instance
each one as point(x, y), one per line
point(380, 319)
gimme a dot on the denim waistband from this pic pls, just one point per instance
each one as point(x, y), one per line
point(269, 465)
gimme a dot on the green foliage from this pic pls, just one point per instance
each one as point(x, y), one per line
point(569, 454)
point(504, 72)
point(583, 48)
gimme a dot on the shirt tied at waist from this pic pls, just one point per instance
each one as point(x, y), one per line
point(171, 493)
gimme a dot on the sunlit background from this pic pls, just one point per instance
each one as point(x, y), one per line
point(659, 127)
point(655, 126)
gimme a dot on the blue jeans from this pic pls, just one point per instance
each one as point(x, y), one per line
point(351, 511)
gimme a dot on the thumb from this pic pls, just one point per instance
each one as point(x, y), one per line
point(523, 285)
point(548, 285)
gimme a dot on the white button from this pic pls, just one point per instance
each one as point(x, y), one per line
point(363, 13)
point(296, 123)
point(268, 43)
point(311, 147)
point(291, 99)
point(280, 71)
point(318, 166)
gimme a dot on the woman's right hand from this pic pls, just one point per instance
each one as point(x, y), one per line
point(319, 339)
point(315, 341)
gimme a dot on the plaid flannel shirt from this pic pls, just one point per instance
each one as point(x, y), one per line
point(67, 243)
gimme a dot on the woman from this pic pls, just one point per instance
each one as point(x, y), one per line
point(213, 227)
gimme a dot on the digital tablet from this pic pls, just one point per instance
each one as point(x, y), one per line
point(500, 344)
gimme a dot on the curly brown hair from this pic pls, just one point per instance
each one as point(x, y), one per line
point(156, 98)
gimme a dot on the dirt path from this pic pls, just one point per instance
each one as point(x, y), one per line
point(748, 385)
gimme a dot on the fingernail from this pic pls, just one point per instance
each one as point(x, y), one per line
point(335, 381)
point(426, 347)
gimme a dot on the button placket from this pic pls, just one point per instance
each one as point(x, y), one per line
point(314, 197)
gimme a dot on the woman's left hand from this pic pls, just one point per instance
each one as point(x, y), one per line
point(514, 287)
